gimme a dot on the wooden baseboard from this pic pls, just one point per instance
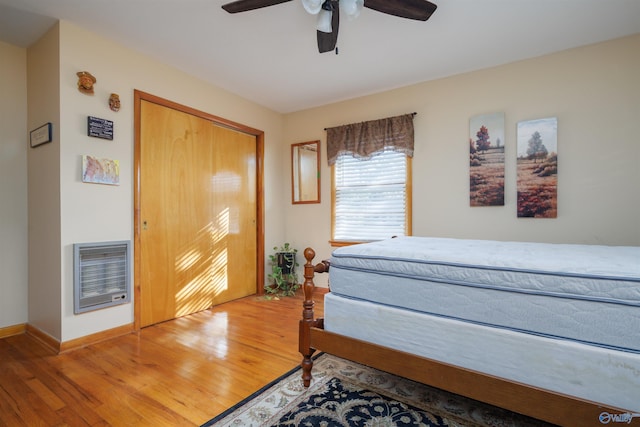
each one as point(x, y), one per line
point(96, 338)
point(43, 338)
point(9, 331)
point(62, 347)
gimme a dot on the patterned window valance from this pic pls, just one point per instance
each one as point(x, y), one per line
point(366, 138)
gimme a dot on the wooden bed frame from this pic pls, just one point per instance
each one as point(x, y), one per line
point(535, 402)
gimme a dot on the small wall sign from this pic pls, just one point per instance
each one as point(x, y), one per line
point(40, 135)
point(99, 128)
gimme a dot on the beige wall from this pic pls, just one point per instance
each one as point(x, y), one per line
point(594, 93)
point(592, 90)
point(62, 210)
point(94, 213)
point(44, 186)
point(13, 186)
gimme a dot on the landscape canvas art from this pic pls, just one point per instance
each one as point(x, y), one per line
point(537, 168)
point(486, 160)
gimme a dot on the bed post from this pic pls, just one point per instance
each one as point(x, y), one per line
point(308, 320)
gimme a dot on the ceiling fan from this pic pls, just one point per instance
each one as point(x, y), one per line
point(328, 12)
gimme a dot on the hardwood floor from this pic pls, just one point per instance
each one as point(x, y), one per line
point(178, 373)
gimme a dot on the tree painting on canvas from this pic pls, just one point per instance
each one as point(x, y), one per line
point(486, 160)
point(537, 168)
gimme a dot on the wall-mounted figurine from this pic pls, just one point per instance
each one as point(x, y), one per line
point(85, 82)
point(114, 102)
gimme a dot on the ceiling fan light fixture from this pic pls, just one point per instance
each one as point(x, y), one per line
point(324, 21)
point(312, 6)
point(351, 8)
point(328, 13)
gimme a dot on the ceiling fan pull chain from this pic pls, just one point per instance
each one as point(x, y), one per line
point(336, 50)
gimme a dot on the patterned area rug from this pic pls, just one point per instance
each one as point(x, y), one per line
point(344, 393)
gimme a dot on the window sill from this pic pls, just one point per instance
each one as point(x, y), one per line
point(340, 243)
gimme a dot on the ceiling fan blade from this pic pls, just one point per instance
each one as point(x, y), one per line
point(327, 41)
point(245, 5)
point(419, 10)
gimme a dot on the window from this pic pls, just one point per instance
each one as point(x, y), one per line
point(371, 179)
point(371, 197)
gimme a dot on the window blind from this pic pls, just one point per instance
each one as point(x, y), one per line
point(370, 197)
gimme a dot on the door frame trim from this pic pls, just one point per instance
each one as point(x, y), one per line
point(140, 96)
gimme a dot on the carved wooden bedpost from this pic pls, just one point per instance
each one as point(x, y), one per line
point(307, 318)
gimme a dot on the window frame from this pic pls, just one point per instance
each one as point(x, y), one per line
point(408, 207)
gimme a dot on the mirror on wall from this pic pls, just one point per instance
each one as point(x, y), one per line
point(305, 172)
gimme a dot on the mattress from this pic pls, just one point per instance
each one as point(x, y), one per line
point(598, 374)
point(587, 294)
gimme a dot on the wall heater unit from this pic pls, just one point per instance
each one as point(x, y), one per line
point(102, 275)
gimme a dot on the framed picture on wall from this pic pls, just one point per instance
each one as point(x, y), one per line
point(40, 135)
point(100, 171)
point(537, 168)
point(486, 160)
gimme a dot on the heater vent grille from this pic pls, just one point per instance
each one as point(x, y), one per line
point(101, 275)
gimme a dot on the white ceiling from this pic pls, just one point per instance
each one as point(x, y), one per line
point(270, 56)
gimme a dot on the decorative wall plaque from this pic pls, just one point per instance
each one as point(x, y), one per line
point(85, 82)
point(40, 135)
point(99, 128)
point(114, 102)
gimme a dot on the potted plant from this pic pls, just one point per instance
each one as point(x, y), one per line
point(284, 280)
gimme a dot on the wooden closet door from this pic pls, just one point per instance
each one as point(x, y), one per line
point(234, 200)
point(188, 212)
